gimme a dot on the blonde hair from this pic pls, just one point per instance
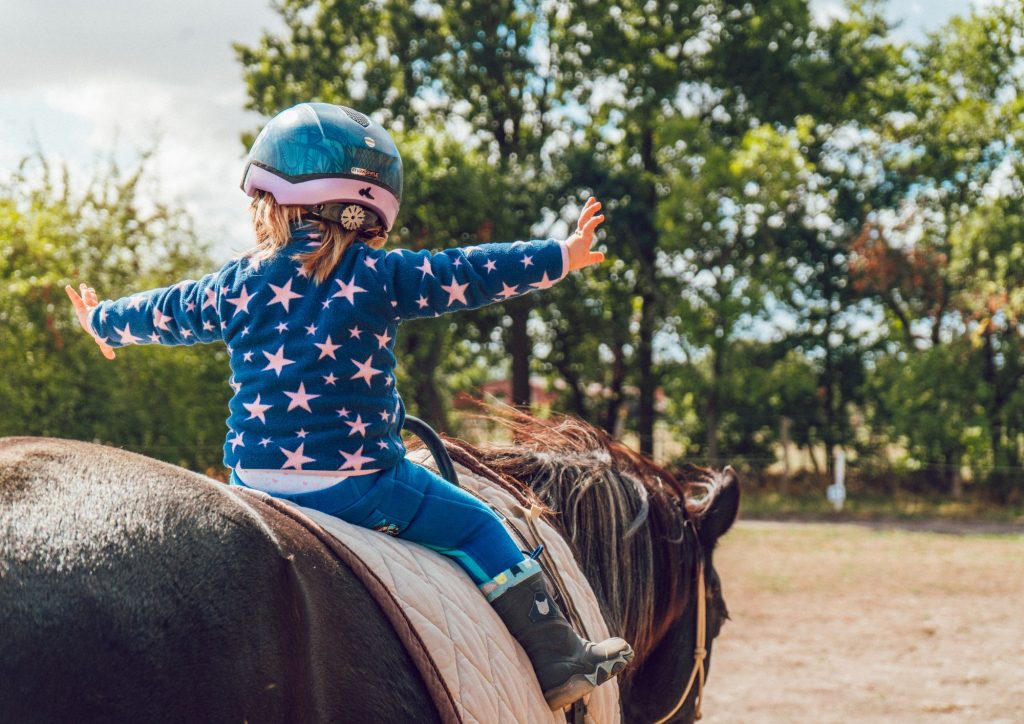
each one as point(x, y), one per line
point(271, 221)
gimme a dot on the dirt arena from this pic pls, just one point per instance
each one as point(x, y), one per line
point(843, 623)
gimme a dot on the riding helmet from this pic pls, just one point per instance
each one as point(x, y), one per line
point(335, 161)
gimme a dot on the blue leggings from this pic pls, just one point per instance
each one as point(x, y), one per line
point(411, 502)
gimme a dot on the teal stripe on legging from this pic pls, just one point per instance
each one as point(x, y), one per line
point(471, 566)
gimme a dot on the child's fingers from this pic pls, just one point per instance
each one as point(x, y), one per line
point(596, 257)
point(106, 350)
point(588, 211)
point(75, 299)
point(591, 225)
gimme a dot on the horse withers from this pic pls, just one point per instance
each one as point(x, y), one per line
point(131, 589)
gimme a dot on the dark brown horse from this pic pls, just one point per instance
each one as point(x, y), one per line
point(131, 589)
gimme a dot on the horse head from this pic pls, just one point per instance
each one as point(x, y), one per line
point(667, 683)
point(644, 538)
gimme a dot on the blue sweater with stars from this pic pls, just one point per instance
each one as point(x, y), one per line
point(312, 364)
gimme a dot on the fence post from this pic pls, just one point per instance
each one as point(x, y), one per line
point(836, 492)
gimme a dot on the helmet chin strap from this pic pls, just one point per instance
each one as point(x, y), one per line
point(351, 216)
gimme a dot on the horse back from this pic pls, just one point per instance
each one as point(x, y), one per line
point(134, 590)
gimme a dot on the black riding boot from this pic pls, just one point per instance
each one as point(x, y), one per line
point(567, 666)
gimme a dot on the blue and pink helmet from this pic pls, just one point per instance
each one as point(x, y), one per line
point(333, 160)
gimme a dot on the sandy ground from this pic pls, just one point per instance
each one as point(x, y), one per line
point(843, 623)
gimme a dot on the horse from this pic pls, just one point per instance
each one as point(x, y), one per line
point(132, 589)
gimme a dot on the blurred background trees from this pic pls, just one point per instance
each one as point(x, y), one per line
point(814, 233)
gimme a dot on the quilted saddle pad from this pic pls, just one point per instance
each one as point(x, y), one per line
point(486, 672)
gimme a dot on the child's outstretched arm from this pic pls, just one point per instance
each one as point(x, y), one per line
point(185, 313)
point(422, 284)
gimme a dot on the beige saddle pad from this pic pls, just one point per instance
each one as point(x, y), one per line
point(485, 670)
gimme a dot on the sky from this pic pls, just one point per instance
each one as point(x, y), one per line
point(87, 78)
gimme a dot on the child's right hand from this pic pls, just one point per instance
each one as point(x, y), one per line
point(83, 305)
point(582, 239)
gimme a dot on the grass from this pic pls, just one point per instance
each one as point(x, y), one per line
point(867, 506)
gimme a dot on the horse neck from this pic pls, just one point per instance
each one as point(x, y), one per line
point(636, 551)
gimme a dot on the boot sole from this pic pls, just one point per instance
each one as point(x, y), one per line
point(579, 685)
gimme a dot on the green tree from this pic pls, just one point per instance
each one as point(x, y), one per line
point(483, 69)
point(167, 403)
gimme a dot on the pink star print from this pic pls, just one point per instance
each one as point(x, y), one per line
point(256, 409)
point(160, 319)
point(358, 426)
point(237, 441)
point(355, 460)
point(126, 335)
point(490, 266)
point(236, 386)
point(301, 434)
point(283, 295)
point(355, 332)
point(426, 268)
point(281, 327)
point(296, 458)
point(154, 338)
point(134, 302)
point(348, 291)
point(422, 302)
point(330, 379)
point(326, 349)
point(302, 271)
point(527, 260)
point(544, 283)
point(241, 302)
point(456, 292)
point(507, 291)
point(186, 333)
point(190, 307)
point(264, 442)
point(370, 262)
point(383, 339)
point(343, 412)
point(276, 361)
point(310, 329)
point(211, 299)
point(208, 326)
point(300, 398)
point(366, 371)
point(247, 357)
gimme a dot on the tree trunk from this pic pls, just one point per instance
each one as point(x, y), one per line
point(647, 247)
point(956, 480)
point(427, 350)
point(520, 349)
point(648, 380)
point(618, 380)
point(785, 424)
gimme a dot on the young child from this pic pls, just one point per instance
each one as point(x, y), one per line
point(309, 317)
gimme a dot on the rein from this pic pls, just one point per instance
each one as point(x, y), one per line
point(699, 652)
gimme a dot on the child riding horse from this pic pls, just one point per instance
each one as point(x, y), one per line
point(309, 317)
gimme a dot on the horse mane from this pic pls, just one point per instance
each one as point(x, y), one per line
point(625, 516)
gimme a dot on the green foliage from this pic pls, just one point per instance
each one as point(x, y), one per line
point(806, 223)
point(167, 403)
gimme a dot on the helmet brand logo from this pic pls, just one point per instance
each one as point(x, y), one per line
point(359, 171)
point(366, 192)
point(369, 141)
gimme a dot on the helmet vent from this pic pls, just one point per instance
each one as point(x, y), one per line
point(357, 117)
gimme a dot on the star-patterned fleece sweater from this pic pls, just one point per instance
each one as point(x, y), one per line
point(312, 365)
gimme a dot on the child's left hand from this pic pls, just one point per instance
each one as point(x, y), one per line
point(582, 239)
point(83, 305)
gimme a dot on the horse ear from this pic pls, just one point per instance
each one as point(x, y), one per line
point(719, 518)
